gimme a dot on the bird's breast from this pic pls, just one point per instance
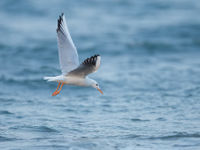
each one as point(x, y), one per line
point(75, 81)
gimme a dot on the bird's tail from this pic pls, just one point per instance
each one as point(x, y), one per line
point(50, 79)
point(54, 79)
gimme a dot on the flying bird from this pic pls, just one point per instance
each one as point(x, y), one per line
point(73, 73)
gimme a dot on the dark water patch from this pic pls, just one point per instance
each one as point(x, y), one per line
point(106, 105)
point(85, 145)
point(123, 137)
point(186, 145)
point(5, 112)
point(138, 120)
point(19, 117)
point(161, 119)
point(43, 129)
point(86, 111)
point(77, 130)
point(70, 110)
point(52, 146)
point(4, 48)
point(7, 100)
point(130, 136)
point(196, 42)
point(6, 139)
point(154, 46)
point(176, 136)
point(36, 129)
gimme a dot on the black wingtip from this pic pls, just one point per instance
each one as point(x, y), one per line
point(59, 21)
point(96, 55)
point(91, 61)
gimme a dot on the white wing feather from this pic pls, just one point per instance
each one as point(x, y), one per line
point(67, 52)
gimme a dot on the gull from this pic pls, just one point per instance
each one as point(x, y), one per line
point(73, 73)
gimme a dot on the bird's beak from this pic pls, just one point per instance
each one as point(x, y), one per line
point(100, 90)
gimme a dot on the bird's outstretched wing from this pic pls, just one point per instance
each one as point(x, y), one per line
point(89, 65)
point(67, 52)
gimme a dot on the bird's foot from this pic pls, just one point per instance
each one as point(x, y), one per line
point(58, 91)
point(55, 93)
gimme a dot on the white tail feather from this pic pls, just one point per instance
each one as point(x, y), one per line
point(55, 79)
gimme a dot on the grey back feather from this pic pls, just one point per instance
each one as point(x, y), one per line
point(88, 66)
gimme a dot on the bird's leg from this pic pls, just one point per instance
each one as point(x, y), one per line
point(58, 86)
point(58, 91)
point(55, 93)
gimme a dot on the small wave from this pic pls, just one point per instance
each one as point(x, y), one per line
point(130, 136)
point(47, 146)
point(153, 46)
point(185, 145)
point(5, 112)
point(35, 128)
point(69, 110)
point(7, 100)
point(5, 139)
point(106, 105)
point(161, 119)
point(177, 135)
point(138, 120)
point(42, 129)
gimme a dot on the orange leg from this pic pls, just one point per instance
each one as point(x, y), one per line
point(58, 86)
point(54, 93)
point(58, 91)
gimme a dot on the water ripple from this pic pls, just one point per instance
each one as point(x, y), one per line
point(36, 128)
point(5, 112)
point(177, 135)
point(138, 120)
point(5, 139)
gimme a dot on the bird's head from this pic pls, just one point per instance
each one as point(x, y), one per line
point(95, 85)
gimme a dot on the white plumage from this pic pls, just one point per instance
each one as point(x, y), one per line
point(72, 72)
point(68, 55)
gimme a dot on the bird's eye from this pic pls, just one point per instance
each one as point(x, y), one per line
point(96, 84)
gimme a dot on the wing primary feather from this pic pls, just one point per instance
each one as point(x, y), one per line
point(60, 26)
point(88, 66)
point(91, 61)
point(68, 55)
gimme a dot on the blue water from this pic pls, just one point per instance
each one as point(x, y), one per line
point(150, 75)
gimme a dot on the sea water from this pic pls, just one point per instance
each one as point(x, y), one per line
point(150, 75)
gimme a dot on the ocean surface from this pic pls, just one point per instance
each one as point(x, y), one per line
point(150, 75)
